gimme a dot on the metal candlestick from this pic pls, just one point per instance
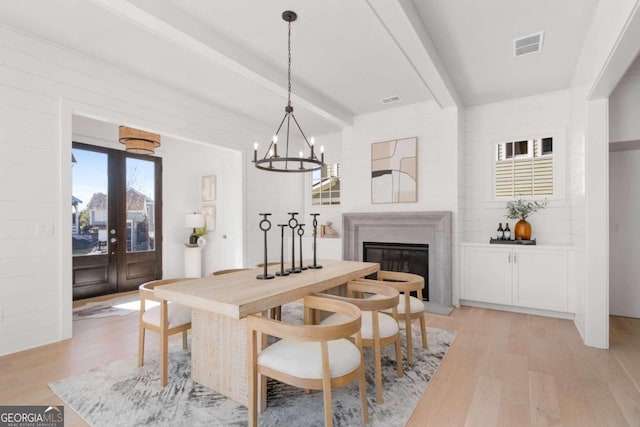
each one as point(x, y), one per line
point(282, 272)
point(265, 225)
point(315, 264)
point(301, 233)
point(293, 224)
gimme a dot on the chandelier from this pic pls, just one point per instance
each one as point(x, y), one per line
point(138, 141)
point(274, 162)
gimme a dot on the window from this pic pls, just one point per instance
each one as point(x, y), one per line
point(524, 168)
point(325, 185)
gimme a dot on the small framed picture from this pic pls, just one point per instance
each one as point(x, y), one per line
point(209, 213)
point(208, 186)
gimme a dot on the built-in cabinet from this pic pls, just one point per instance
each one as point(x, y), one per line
point(534, 277)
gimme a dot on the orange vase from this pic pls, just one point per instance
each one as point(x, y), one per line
point(522, 231)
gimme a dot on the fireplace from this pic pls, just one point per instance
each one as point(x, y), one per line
point(432, 228)
point(403, 257)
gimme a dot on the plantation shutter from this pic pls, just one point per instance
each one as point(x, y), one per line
point(529, 175)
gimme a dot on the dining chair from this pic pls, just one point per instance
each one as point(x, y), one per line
point(377, 329)
point(409, 307)
point(312, 357)
point(166, 319)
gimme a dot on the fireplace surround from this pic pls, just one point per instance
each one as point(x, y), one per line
point(431, 228)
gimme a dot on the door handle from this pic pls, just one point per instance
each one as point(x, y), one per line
point(113, 240)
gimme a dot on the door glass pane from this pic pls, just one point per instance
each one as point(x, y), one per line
point(140, 204)
point(89, 199)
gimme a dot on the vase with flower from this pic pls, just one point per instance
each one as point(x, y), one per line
point(521, 210)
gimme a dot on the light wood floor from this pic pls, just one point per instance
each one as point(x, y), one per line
point(504, 369)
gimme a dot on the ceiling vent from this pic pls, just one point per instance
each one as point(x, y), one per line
point(528, 44)
point(390, 99)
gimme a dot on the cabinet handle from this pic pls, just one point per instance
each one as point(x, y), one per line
point(514, 258)
point(509, 258)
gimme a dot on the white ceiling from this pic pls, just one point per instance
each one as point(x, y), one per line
point(347, 55)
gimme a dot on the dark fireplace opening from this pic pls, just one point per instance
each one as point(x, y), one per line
point(403, 257)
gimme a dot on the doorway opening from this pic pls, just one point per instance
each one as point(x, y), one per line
point(116, 220)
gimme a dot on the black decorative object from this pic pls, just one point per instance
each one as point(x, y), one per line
point(511, 242)
point(315, 234)
point(293, 224)
point(282, 272)
point(272, 161)
point(265, 225)
point(300, 234)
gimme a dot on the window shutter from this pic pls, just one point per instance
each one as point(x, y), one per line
point(525, 176)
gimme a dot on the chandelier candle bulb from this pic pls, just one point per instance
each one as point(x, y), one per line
point(255, 152)
point(313, 142)
point(322, 154)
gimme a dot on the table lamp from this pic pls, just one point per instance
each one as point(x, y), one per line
point(194, 221)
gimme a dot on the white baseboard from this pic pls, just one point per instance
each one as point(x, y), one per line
point(523, 310)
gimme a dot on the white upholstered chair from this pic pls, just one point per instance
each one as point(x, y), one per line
point(409, 308)
point(378, 329)
point(165, 319)
point(316, 357)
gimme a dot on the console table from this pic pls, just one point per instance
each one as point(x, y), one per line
point(220, 304)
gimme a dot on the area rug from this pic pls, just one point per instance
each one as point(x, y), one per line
point(118, 306)
point(121, 394)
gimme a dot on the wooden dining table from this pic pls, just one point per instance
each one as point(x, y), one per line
point(220, 304)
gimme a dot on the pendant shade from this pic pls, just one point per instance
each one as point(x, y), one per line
point(138, 141)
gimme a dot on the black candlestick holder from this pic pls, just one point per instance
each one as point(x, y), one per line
point(265, 225)
point(300, 234)
point(282, 271)
point(293, 224)
point(315, 264)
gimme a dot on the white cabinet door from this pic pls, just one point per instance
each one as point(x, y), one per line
point(540, 277)
point(487, 275)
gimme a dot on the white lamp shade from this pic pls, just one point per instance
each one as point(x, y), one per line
point(194, 220)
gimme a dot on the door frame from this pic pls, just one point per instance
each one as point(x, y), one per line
point(118, 259)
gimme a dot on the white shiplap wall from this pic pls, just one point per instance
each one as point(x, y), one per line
point(41, 86)
point(486, 125)
point(437, 132)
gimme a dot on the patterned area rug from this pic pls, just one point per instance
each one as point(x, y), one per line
point(121, 394)
point(119, 306)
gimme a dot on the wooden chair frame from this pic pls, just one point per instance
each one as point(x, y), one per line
point(146, 294)
point(321, 333)
point(405, 283)
point(386, 298)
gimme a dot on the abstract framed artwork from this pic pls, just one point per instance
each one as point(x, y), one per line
point(394, 171)
point(209, 213)
point(208, 186)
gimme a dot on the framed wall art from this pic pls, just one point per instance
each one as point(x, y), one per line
point(208, 186)
point(394, 171)
point(209, 213)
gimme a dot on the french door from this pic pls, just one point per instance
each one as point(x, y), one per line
point(116, 210)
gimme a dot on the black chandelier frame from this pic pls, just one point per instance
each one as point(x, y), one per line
point(272, 161)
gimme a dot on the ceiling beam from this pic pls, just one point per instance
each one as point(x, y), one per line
point(169, 23)
point(403, 24)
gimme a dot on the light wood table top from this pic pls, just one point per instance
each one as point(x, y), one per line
point(239, 294)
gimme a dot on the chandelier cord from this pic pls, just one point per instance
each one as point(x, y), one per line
point(289, 71)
